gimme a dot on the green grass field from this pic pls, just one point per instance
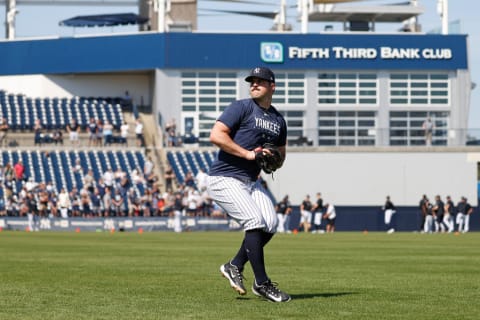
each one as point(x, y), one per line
point(175, 276)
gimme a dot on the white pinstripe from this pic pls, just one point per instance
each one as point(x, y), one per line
point(245, 201)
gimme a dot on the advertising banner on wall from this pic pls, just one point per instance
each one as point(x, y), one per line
point(118, 224)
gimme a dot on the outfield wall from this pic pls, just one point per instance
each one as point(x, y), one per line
point(349, 218)
point(364, 177)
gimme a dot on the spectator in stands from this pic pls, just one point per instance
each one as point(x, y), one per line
point(169, 176)
point(43, 200)
point(73, 129)
point(124, 128)
point(189, 180)
point(117, 204)
point(8, 172)
point(77, 168)
point(207, 201)
point(134, 204)
point(151, 180)
point(76, 202)
point(136, 176)
point(23, 207)
point(99, 132)
point(171, 131)
point(57, 137)
point(169, 198)
point(119, 174)
point(31, 185)
point(107, 133)
point(331, 216)
point(109, 178)
point(38, 131)
point(201, 179)
point(12, 206)
point(89, 181)
point(160, 206)
point(107, 202)
point(194, 202)
point(3, 131)
point(96, 203)
point(92, 132)
point(428, 127)
point(147, 202)
point(85, 210)
point(148, 167)
point(63, 203)
point(19, 170)
point(127, 101)
point(52, 200)
point(123, 186)
point(139, 133)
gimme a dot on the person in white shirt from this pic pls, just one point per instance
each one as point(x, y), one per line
point(148, 167)
point(108, 178)
point(124, 133)
point(139, 133)
point(330, 215)
point(201, 179)
point(63, 203)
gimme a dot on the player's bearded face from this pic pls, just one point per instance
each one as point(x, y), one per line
point(260, 88)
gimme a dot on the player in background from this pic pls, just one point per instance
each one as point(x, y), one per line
point(330, 215)
point(317, 211)
point(241, 129)
point(389, 210)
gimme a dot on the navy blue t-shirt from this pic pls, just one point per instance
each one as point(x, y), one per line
point(250, 126)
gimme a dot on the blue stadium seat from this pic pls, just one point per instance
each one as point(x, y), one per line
point(176, 167)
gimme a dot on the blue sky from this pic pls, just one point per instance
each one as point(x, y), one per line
point(41, 21)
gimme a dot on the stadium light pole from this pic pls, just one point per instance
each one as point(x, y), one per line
point(442, 8)
point(303, 6)
point(11, 12)
point(161, 15)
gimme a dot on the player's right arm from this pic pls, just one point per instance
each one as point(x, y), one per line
point(220, 136)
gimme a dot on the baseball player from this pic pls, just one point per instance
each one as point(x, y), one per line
point(389, 210)
point(240, 132)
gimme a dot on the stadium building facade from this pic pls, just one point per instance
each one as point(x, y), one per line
point(340, 94)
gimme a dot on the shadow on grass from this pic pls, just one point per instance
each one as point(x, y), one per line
point(321, 295)
point(305, 296)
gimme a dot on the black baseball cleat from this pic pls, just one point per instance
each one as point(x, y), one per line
point(269, 291)
point(235, 277)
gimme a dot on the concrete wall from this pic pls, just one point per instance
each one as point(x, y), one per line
point(364, 177)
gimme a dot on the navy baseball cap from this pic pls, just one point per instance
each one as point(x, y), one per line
point(261, 73)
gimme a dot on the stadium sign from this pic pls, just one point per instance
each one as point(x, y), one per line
point(149, 51)
point(132, 224)
point(360, 53)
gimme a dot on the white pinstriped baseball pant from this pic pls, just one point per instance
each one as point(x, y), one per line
point(245, 201)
